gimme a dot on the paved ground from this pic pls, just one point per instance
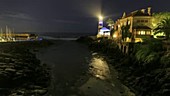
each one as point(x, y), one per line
point(76, 71)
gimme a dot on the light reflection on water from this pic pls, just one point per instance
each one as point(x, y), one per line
point(99, 67)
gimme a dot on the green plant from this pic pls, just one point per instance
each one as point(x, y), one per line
point(148, 52)
point(163, 26)
point(125, 31)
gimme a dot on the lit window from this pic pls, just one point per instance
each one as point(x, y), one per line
point(118, 25)
point(138, 32)
point(142, 32)
point(128, 22)
point(148, 32)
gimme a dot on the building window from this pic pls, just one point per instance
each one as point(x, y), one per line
point(142, 20)
point(138, 32)
point(146, 21)
point(138, 21)
point(148, 32)
point(142, 32)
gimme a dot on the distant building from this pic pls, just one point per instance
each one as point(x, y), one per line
point(140, 22)
point(25, 37)
point(9, 36)
point(104, 32)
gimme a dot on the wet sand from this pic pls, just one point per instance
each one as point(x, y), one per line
point(68, 61)
point(75, 71)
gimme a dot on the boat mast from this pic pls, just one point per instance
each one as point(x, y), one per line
point(6, 33)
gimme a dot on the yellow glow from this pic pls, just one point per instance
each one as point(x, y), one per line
point(142, 33)
point(100, 68)
point(154, 24)
point(100, 17)
point(114, 36)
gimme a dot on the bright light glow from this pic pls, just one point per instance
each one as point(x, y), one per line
point(100, 17)
point(142, 33)
point(159, 35)
point(138, 40)
point(100, 68)
point(114, 36)
point(104, 33)
point(154, 24)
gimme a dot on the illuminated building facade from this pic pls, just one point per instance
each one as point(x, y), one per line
point(140, 22)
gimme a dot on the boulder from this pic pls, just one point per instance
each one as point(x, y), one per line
point(41, 91)
point(10, 70)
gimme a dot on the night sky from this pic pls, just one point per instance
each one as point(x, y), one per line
point(68, 15)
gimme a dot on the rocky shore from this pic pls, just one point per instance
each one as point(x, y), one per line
point(21, 73)
point(145, 71)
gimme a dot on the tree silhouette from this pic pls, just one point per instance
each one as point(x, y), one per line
point(125, 31)
point(110, 23)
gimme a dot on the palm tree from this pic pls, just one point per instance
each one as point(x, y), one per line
point(149, 51)
point(125, 31)
point(110, 23)
point(163, 26)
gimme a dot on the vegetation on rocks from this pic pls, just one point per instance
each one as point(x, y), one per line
point(146, 71)
point(163, 27)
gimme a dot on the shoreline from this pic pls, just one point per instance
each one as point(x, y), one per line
point(17, 70)
point(84, 83)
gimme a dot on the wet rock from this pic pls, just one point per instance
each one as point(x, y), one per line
point(4, 73)
point(7, 60)
point(3, 66)
point(40, 91)
point(113, 85)
point(166, 92)
point(18, 69)
point(1, 69)
point(20, 92)
point(166, 86)
point(19, 73)
point(35, 87)
point(10, 70)
point(2, 63)
point(72, 95)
